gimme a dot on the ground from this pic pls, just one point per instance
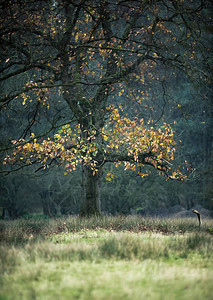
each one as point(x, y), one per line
point(106, 258)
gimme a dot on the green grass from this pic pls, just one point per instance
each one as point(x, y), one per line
point(106, 258)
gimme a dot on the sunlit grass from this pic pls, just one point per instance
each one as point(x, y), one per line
point(107, 279)
point(106, 258)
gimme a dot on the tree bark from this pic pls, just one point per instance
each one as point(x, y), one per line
point(91, 184)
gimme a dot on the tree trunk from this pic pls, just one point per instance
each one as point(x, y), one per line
point(91, 183)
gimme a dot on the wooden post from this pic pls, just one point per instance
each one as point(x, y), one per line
point(198, 215)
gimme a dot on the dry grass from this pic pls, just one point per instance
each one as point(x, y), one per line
point(20, 231)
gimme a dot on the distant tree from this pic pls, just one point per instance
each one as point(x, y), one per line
point(14, 201)
point(58, 194)
point(102, 59)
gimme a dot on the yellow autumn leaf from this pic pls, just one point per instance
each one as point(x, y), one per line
point(24, 98)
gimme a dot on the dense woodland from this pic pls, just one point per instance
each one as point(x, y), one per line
point(106, 106)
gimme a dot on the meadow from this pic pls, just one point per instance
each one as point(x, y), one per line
point(106, 258)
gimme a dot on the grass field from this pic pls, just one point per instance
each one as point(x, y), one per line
point(106, 258)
